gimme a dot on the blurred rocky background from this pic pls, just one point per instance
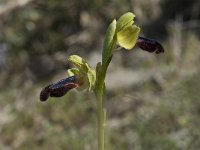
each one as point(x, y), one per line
point(153, 101)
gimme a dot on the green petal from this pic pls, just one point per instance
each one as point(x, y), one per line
point(73, 71)
point(79, 62)
point(125, 20)
point(127, 37)
point(84, 71)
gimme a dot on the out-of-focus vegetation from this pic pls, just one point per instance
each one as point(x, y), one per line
point(153, 101)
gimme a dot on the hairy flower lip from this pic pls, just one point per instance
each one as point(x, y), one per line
point(59, 88)
point(149, 45)
point(44, 94)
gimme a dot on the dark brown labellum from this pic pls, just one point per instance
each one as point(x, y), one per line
point(44, 94)
point(59, 88)
point(62, 90)
point(149, 45)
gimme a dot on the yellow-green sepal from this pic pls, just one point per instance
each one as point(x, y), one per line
point(125, 21)
point(127, 37)
point(83, 71)
point(91, 75)
point(73, 71)
point(126, 32)
point(79, 62)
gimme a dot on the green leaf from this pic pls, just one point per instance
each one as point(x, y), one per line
point(98, 70)
point(125, 21)
point(98, 73)
point(108, 42)
point(127, 37)
point(79, 62)
point(91, 78)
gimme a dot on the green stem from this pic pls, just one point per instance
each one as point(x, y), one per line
point(100, 98)
point(101, 122)
point(101, 110)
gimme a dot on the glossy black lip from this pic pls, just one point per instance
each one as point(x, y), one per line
point(149, 45)
point(59, 88)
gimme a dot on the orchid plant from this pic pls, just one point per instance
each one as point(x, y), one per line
point(121, 33)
